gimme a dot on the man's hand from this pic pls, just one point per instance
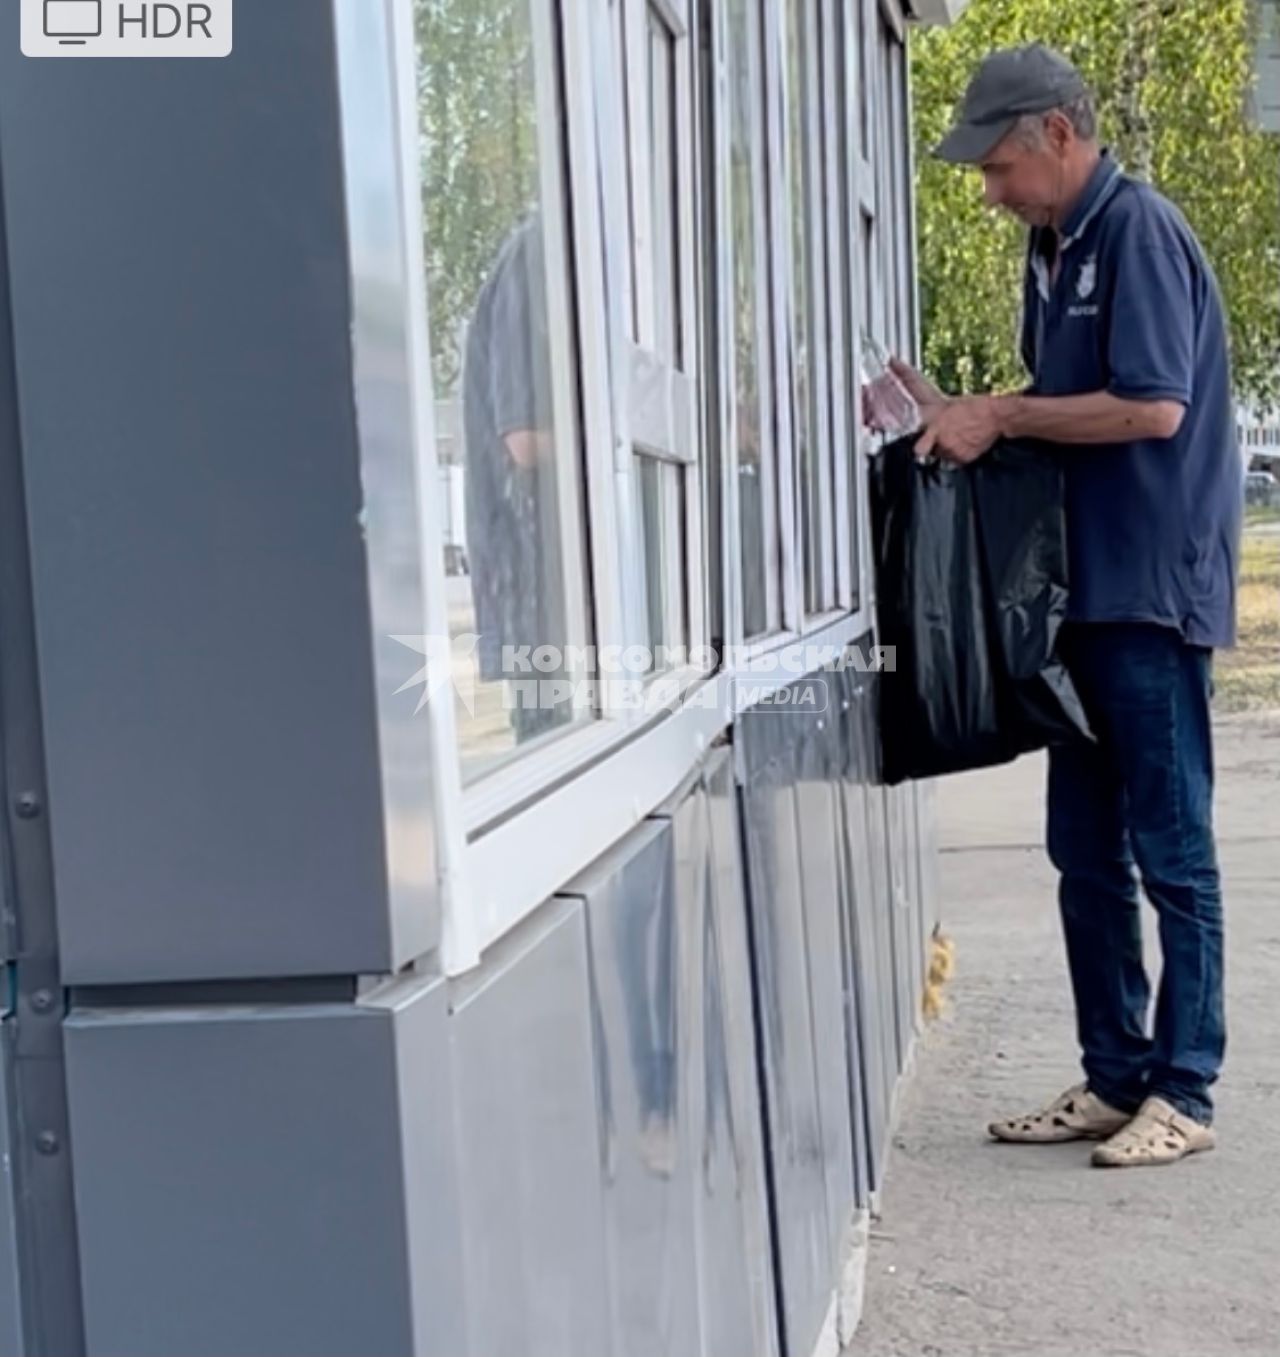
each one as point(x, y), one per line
point(961, 430)
point(528, 447)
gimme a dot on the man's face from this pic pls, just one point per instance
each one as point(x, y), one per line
point(1023, 180)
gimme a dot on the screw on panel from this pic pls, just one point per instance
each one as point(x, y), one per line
point(42, 1001)
point(28, 805)
point(47, 1142)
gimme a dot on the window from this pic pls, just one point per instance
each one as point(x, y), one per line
point(849, 232)
point(751, 318)
point(807, 133)
point(573, 304)
point(496, 254)
point(659, 420)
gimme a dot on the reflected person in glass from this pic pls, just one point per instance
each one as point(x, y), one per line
point(508, 431)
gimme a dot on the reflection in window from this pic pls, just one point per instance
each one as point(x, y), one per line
point(799, 191)
point(664, 187)
point(849, 213)
point(756, 513)
point(804, 84)
point(662, 510)
point(494, 257)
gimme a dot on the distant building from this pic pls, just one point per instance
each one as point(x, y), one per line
point(1266, 94)
point(1259, 432)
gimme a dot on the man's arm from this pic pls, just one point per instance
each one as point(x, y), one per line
point(1098, 417)
point(966, 426)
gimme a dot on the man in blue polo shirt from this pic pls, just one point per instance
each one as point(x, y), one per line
point(1125, 338)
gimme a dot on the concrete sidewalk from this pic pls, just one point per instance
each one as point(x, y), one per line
point(983, 1249)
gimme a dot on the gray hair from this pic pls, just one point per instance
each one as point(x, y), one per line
point(1080, 113)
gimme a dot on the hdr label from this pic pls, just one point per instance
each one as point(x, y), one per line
point(126, 28)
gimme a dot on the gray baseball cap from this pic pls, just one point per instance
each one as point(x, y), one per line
point(1009, 83)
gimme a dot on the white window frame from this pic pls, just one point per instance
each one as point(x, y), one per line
point(517, 812)
point(519, 815)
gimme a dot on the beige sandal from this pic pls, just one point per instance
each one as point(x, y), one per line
point(1159, 1134)
point(1076, 1114)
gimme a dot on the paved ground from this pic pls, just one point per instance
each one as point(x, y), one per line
point(985, 1249)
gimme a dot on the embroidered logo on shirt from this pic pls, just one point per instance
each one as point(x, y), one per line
point(1087, 278)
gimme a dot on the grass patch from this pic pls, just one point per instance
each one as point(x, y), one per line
point(1248, 678)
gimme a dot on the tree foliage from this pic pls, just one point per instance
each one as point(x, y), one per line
point(478, 152)
point(1173, 79)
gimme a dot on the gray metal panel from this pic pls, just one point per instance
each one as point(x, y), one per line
point(911, 820)
point(736, 1141)
point(239, 1181)
point(927, 839)
point(776, 895)
point(905, 921)
point(817, 789)
point(881, 913)
point(10, 1293)
point(870, 929)
point(644, 924)
point(389, 455)
point(864, 1082)
point(529, 1147)
point(419, 1009)
point(193, 486)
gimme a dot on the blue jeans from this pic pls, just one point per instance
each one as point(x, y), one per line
point(1142, 797)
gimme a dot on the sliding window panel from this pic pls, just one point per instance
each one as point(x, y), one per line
point(837, 300)
point(750, 345)
point(497, 249)
point(808, 354)
point(658, 424)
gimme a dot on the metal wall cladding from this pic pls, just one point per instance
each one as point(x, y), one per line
point(895, 1032)
point(927, 823)
point(646, 944)
point(734, 1224)
point(200, 549)
point(11, 1340)
point(529, 1152)
point(908, 947)
point(869, 955)
point(819, 754)
point(264, 1182)
point(611, 1161)
point(773, 748)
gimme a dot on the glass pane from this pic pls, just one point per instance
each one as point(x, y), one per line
point(756, 512)
point(827, 318)
point(798, 197)
point(493, 255)
point(664, 187)
point(846, 319)
point(804, 83)
point(619, 68)
point(663, 543)
point(866, 283)
point(890, 226)
point(867, 27)
point(903, 197)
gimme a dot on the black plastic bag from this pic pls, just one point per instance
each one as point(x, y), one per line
point(971, 592)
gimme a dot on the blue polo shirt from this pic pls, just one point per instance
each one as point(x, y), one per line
point(1153, 526)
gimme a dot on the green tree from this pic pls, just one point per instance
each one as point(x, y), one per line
point(478, 153)
point(1173, 79)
